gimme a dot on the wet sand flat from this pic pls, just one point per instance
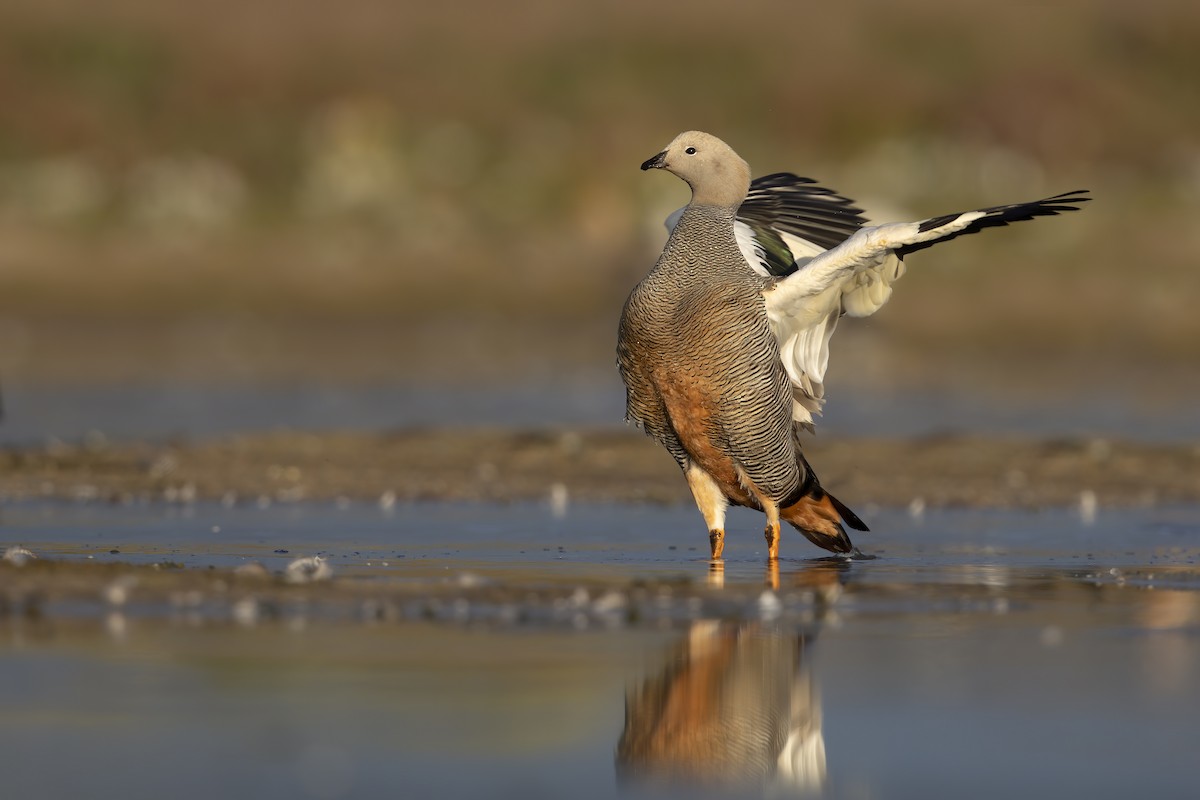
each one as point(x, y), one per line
point(505, 465)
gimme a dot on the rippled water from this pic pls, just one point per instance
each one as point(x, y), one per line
point(982, 654)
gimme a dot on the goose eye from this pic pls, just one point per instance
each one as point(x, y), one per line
point(691, 151)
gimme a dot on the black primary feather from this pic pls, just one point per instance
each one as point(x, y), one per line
point(787, 203)
point(998, 216)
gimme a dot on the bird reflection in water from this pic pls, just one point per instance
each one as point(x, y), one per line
point(736, 704)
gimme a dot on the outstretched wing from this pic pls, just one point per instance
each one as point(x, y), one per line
point(871, 246)
point(801, 306)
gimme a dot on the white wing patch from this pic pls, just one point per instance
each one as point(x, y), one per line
point(802, 249)
point(751, 250)
point(804, 351)
point(855, 277)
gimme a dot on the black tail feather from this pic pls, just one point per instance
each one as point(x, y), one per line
point(848, 516)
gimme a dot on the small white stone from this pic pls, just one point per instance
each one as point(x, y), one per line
point(1088, 505)
point(307, 570)
point(18, 555)
point(117, 592)
point(245, 612)
point(610, 602)
point(916, 508)
point(252, 569)
point(559, 500)
point(470, 580)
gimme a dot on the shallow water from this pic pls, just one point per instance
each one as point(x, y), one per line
point(982, 654)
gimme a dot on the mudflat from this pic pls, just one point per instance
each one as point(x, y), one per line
point(595, 465)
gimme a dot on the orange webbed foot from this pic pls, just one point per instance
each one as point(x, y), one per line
point(772, 536)
point(716, 542)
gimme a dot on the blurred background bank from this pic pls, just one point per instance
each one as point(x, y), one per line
point(380, 214)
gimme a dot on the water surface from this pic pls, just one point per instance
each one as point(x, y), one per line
point(982, 654)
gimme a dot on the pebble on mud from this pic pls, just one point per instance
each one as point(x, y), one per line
point(308, 570)
point(559, 500)
point(252, 569)
point(18, 555)
point(116, 594)
point(1088, 506)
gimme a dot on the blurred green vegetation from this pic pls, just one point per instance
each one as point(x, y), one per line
point(465, 175)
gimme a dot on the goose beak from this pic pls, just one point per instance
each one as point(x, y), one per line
point(658, 162)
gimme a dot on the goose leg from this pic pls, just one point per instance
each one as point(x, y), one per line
point(712, 504)
point(772, 531)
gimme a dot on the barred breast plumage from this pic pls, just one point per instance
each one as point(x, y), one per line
point(695, 332)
